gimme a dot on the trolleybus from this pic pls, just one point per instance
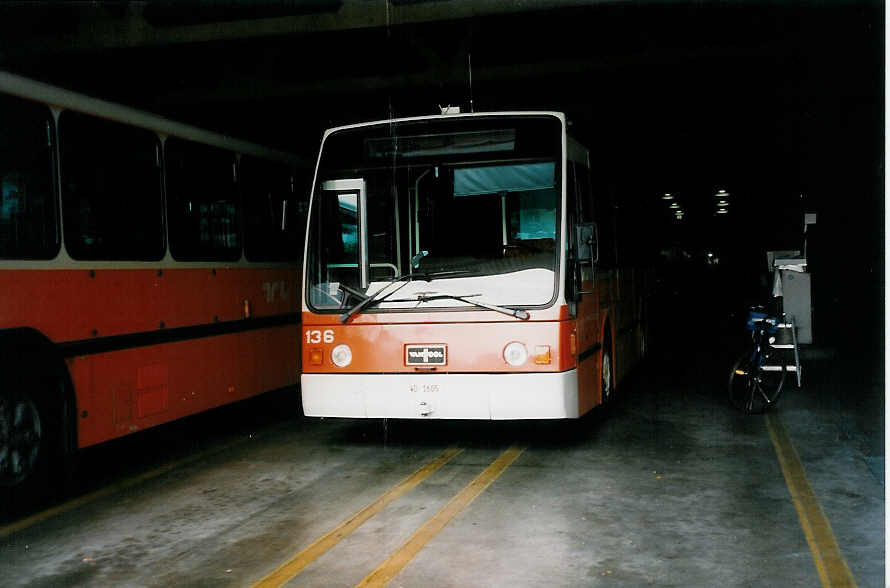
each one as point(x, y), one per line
point(149, 270)
point(463, 266)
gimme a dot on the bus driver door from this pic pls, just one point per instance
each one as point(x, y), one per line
point(583, 248)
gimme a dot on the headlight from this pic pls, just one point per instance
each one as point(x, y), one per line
point(515, 353)
point(341, 355)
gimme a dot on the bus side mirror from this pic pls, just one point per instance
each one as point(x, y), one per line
point(587, 243)
point(577, 283)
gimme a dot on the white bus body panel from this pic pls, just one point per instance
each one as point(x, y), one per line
point(442, 396)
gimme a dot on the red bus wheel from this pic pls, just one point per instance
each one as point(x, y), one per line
point(21, 437)
point(28, 438)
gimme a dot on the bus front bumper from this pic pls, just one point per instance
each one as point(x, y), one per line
point(442, 396)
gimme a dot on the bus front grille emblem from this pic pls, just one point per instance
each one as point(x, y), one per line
point(429, 354)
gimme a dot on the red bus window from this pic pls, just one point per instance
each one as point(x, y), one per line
point(28, 225)
point(202, 202)
point(111, 190)
point(274, 211)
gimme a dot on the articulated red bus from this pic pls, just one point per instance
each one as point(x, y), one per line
point(463, 267)
point(148, 270)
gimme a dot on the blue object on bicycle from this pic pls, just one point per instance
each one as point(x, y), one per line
point(755, 317)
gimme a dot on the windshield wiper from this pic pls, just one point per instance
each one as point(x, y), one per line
point(376, 298)
point(518, 313)
point(426, 276)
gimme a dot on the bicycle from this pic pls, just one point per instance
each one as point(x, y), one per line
point(756, 379)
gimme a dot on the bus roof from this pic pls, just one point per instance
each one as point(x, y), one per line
point(66, 99)
point(464, 115)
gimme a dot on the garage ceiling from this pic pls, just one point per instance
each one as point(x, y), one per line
point(769, 100)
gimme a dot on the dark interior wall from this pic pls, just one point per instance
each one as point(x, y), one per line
point(779, 103)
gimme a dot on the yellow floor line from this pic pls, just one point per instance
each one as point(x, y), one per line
point(830, 564)
point(295, 565)
point(404, 554)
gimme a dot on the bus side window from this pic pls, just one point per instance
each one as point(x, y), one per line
point(603, 215)
point(111, 190)
point(337, 236)
point(28, 223)
point(202, 202)
point(584, 194)
point(274, 211)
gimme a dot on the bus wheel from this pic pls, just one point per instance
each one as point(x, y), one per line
point(21, 436)
point(606, 371)
point(25, 448)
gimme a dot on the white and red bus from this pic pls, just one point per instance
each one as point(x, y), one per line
point(463, 266)
point(149, 270)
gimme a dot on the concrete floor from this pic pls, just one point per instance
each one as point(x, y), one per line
point(669, 488)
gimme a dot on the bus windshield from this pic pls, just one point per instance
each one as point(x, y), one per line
point(466, 208)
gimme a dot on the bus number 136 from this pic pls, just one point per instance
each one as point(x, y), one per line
point(316, 336)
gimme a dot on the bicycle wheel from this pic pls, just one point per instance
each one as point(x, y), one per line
point(741, 383)
point(771, 380)
point(754, 388)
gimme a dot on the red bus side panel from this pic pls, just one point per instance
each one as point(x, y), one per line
point(132, 385)
point(70, 305)
point(125, 391)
